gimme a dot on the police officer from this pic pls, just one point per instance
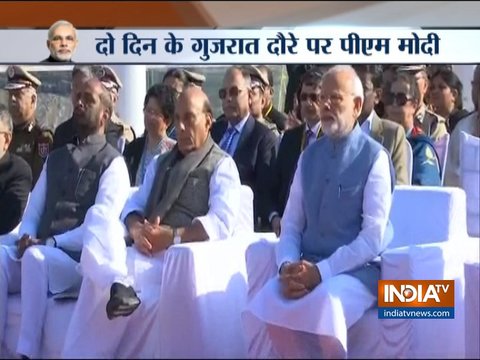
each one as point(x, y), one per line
point(194, 77)
point(432, 124)
point(112, 82)
point(29, 140)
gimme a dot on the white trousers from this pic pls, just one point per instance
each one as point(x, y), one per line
point(41, 272)
point(315, 325)
point(92, 335)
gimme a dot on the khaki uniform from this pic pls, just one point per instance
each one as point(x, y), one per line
point(128, 132)
point(432, 125)
point(33, 144)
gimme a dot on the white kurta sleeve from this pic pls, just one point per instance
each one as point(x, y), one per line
point(113, 191)
point(35, 206)
point(377, 200)
point(293, 221)
point(224, 201)
point(138, 200)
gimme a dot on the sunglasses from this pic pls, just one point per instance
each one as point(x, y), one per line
point(399, 99)
point(313, 97)
point(234, 91)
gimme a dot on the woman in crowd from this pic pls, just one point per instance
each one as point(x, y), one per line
point(446, 97)
point(158, 112)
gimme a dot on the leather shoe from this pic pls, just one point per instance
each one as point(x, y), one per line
point(123, 301)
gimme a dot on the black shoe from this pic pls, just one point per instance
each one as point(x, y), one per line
point(123, 301)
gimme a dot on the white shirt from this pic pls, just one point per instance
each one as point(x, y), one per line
point(239, 127)
point(452, 168)
point(113, 191)
point(377, 199)
point(224, 202)
point(367, 124)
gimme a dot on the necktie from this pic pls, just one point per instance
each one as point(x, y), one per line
point(309, 136)
point(227, 144)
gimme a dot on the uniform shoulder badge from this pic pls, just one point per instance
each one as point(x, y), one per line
point(44, 143)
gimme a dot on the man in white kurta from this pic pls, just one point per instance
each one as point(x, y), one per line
point(75, 178)
point(191, 193)
point(332, 231)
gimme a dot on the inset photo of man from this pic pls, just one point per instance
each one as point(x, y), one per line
point(62, 42)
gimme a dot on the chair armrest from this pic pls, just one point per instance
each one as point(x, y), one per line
point(261, 262)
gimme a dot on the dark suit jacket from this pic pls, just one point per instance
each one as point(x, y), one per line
point(65, 133)
point(281, 176)
point(133, 154)
point(254, 157)
point(15, 185)
point(392, 136)
point(276, 117)
point(50, 59)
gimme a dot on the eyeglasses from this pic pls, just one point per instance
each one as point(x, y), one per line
point(399, 99)
point(153, 113)
point(234, 91)
point(312, 96)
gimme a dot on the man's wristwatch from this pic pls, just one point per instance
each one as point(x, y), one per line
point(177, 239)
point(51, 242)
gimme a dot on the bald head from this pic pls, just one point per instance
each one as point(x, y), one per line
point(193, 119)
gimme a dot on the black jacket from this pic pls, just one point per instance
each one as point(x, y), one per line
point(15, 185)
point(132, 155)
point(254, 157)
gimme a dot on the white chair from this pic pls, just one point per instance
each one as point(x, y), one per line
point(470, 179)
point(472, 308)
point(441, 148)
point(202, 293)
point(409, 162)
point(409, 257)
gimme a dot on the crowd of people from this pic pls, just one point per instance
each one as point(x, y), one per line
point(91, 193)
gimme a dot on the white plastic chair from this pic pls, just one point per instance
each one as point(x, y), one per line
point(441, 148)
point(431, 248)
point(470, 180)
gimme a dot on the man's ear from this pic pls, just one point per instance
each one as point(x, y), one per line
point(48, 44)
point(378, 92)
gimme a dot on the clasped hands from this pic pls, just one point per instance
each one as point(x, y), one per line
point(25, 242)
point(151, 237)
point(298, 278)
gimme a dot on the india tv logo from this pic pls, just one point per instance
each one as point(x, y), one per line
point(416, 299)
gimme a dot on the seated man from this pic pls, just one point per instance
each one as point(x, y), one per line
point(471, 125)
point(15, 179)
point(191, 193)
point(332, 230)
point(251, 144)
point(74, 179)
point(386, 132)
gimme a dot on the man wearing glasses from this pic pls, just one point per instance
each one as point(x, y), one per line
point(62, 42)
point(294, 141)
point(251, 144)
point(15, 179)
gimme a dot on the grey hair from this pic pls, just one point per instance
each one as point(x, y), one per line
point(6, 118)
point(85, 70)
point(245, 74)
point(357, 83)
point(58, 23)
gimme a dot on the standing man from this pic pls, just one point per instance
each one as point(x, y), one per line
point(251, 144)
point(74, 180)
point(62, 42)
point(15, 179)
point(29, 140)
point(332, 230)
